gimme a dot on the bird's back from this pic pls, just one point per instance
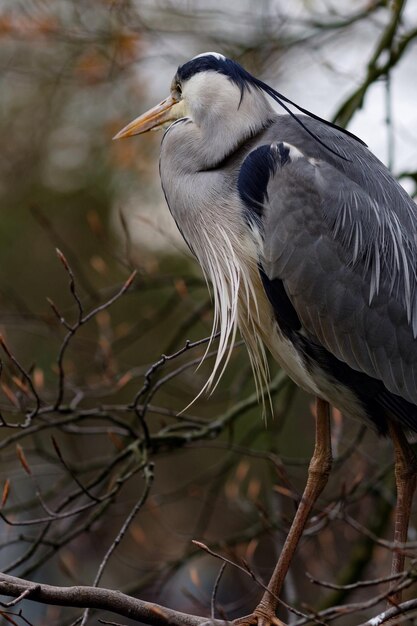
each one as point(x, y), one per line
point(339, 244)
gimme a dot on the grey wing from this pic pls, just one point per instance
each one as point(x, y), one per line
point(348, 265)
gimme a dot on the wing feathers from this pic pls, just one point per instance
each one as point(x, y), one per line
point(345, 250)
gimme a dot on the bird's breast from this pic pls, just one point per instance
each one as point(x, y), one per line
point(263, 322)
point(288, 353)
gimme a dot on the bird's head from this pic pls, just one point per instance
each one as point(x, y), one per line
point(225, 102)
point(206, 89)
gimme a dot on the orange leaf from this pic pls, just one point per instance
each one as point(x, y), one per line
point(5, 495)
point(181, 288)
point(21, 385)
point(138, 534)
point(92, 67)
point(9, 394)
point(6, 25)
point(284, 491)
point(195, 577)
point(47, 25)
point(98, 264)
point(4, 346)
point(251, 549)
point(8, 619)
point(124, 380)
point(103, 319)
point(242, 470)
point(38, 378)
point(254, 488)
point(95, 223)
point(116, 441)
point(22, 459)
point(127, 47)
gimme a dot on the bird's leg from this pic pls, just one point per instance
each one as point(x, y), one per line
point(405, 477)
point(318, 473)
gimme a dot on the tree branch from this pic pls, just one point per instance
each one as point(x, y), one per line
point(377, 68)
point(99, 598)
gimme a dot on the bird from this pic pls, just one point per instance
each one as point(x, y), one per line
point(310, 245)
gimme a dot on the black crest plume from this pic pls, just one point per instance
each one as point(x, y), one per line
point(242, 78)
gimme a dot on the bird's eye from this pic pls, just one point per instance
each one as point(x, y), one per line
point(178, 88)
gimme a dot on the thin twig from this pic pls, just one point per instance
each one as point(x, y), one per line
point(406, 609)
point(82, 319)
point(215, 589)
point(29, 381)
point(148, 475)
point(248, 571)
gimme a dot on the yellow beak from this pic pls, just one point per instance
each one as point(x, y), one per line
point(166, 111)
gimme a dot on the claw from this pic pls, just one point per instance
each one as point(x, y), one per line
point(258, 618)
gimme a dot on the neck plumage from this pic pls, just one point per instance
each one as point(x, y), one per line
point(206, 207)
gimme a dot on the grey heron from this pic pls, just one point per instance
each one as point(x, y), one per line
point(310, 245)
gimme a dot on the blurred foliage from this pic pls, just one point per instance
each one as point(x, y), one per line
point(72, 73)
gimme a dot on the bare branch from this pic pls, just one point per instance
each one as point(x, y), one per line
point(27, 378)
point(69, 470)
point(148, 475)
point(247, 570)
point(73, 289)
point(215, 589)
point(99, 598)
point(407, 610)
point(377, 68)
point(82, 319)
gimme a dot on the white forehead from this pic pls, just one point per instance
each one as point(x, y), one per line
point(207, 92)
point(209, 82)
point(217, 55)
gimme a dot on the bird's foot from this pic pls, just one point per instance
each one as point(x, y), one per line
point(260, 617)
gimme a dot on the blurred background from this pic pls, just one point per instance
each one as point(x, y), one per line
point(72, 73)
